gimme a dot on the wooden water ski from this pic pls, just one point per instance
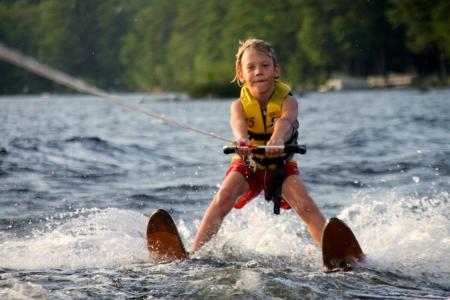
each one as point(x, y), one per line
point(163, 239)
point(340, 249)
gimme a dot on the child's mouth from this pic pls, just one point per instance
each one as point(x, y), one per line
point(260, 81)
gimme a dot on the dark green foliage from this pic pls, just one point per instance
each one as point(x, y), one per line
point(427, 25)
point(189, 45)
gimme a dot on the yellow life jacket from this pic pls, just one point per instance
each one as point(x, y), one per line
point(260, 123)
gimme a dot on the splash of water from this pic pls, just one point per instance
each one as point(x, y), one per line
point(404, 235)
point(93, 238)
point(407, 235)
point(255, 235)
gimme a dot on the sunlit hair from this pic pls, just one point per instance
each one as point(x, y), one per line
point(257, 44)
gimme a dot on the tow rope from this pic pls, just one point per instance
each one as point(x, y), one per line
point(15, 57)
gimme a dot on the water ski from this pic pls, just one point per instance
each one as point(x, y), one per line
point(163, 239)
point(340, 249)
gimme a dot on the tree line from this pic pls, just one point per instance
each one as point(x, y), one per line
point(189, 45)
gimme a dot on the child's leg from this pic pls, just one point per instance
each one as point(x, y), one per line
point(233, 187)
point(295, 193)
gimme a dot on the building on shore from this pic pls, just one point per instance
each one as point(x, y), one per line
point(352, 83)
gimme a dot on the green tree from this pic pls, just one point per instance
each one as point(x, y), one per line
point(334, 35)
point(189, 45)
point(18, 21)
point(211, 64)
point(274, 22)
point(386, 49)
point(67, 35)
point(145, 47)
point(114, 18)
point(441, 26)
point(427, 25)
point(184, 44)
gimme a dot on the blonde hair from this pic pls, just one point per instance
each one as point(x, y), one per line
point(257, 44)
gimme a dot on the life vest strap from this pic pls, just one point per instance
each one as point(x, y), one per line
point(259, 136)
point(271, 161)
point(275, 192)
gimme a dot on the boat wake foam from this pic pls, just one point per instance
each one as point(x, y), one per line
point(405, 235)
point(92, 238)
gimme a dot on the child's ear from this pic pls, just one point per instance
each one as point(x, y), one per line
point(277, 71)
point(239, 75)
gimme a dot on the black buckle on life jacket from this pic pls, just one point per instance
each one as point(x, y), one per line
point(259, 136)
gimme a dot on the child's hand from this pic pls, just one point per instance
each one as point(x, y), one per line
point(275, 152)
point(244, 147)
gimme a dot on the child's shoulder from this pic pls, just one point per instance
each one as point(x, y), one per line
point(236, 105)
point(290, 97)
point(236, 102)
point(290, 103)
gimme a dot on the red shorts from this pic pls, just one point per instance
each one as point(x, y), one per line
point(260, 180)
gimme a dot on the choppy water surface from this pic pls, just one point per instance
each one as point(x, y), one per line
point(79, 177)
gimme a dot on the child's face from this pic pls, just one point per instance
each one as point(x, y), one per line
point(258, 71)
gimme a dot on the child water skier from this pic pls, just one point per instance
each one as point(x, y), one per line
point(266, 113)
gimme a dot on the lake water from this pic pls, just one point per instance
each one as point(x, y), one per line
point(79, 178)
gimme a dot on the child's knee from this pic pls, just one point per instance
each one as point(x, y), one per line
point(307, 209)
point(223, 201)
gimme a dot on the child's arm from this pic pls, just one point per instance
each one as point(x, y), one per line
point(238, 126)
point(283, 126)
